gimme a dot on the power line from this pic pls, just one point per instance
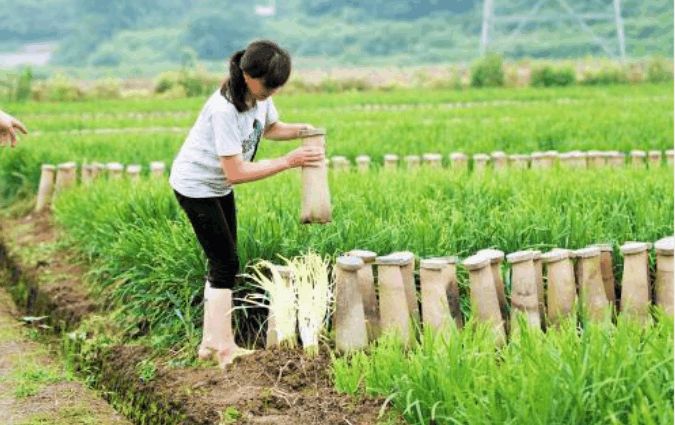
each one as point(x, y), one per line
point(491, 21)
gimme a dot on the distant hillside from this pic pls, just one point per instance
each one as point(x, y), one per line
point(138, 35)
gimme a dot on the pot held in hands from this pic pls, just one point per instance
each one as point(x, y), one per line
point(316, 206)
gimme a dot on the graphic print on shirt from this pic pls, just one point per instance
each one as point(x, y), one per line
point(250, 145)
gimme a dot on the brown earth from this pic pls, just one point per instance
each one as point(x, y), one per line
point(268, 387)
point(34, 387)
point(58, 272)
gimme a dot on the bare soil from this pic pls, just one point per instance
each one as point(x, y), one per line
point(269, 386)
point(58, 272)
point(34, 388)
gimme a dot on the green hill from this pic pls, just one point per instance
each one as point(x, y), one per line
point(142, 36)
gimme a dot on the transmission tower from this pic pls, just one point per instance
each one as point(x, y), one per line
point(492, 20)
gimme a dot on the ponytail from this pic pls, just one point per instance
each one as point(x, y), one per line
point(234, 88)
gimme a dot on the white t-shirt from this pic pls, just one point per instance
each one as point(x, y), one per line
point(220, 130)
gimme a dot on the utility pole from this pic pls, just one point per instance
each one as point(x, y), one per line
point(488, 14)
point(619, 29)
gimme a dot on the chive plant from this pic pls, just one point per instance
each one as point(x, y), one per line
point(596, 375)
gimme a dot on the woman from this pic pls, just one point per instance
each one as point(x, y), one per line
point(217, 154)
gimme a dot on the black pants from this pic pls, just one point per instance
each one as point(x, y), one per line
point(214, 221)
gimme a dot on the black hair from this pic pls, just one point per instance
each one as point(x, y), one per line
point(261, 59)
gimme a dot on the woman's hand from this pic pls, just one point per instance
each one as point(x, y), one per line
point(8, 127)
point(282, 131)
point(305, 156)
point(304, 127)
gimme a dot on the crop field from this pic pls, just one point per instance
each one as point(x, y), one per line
point(401, 122)
point(145, 265)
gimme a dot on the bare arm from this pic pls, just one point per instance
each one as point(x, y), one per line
point(239, 171)
point(282, 131)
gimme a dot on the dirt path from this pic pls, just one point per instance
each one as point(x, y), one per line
point(35, 388)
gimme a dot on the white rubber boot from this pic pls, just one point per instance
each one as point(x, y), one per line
point(218, 338)
point(204, 353)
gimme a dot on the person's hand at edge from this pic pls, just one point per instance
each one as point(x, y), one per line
point(8, 127)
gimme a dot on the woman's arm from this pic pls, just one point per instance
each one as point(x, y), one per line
point(239, 171)
point(282, 131)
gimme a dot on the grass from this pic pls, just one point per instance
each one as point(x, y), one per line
point(66, 416)
point(229, 416)
point(620, 375)
point(146, 370)
point(32, 377)
point(30, 370)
